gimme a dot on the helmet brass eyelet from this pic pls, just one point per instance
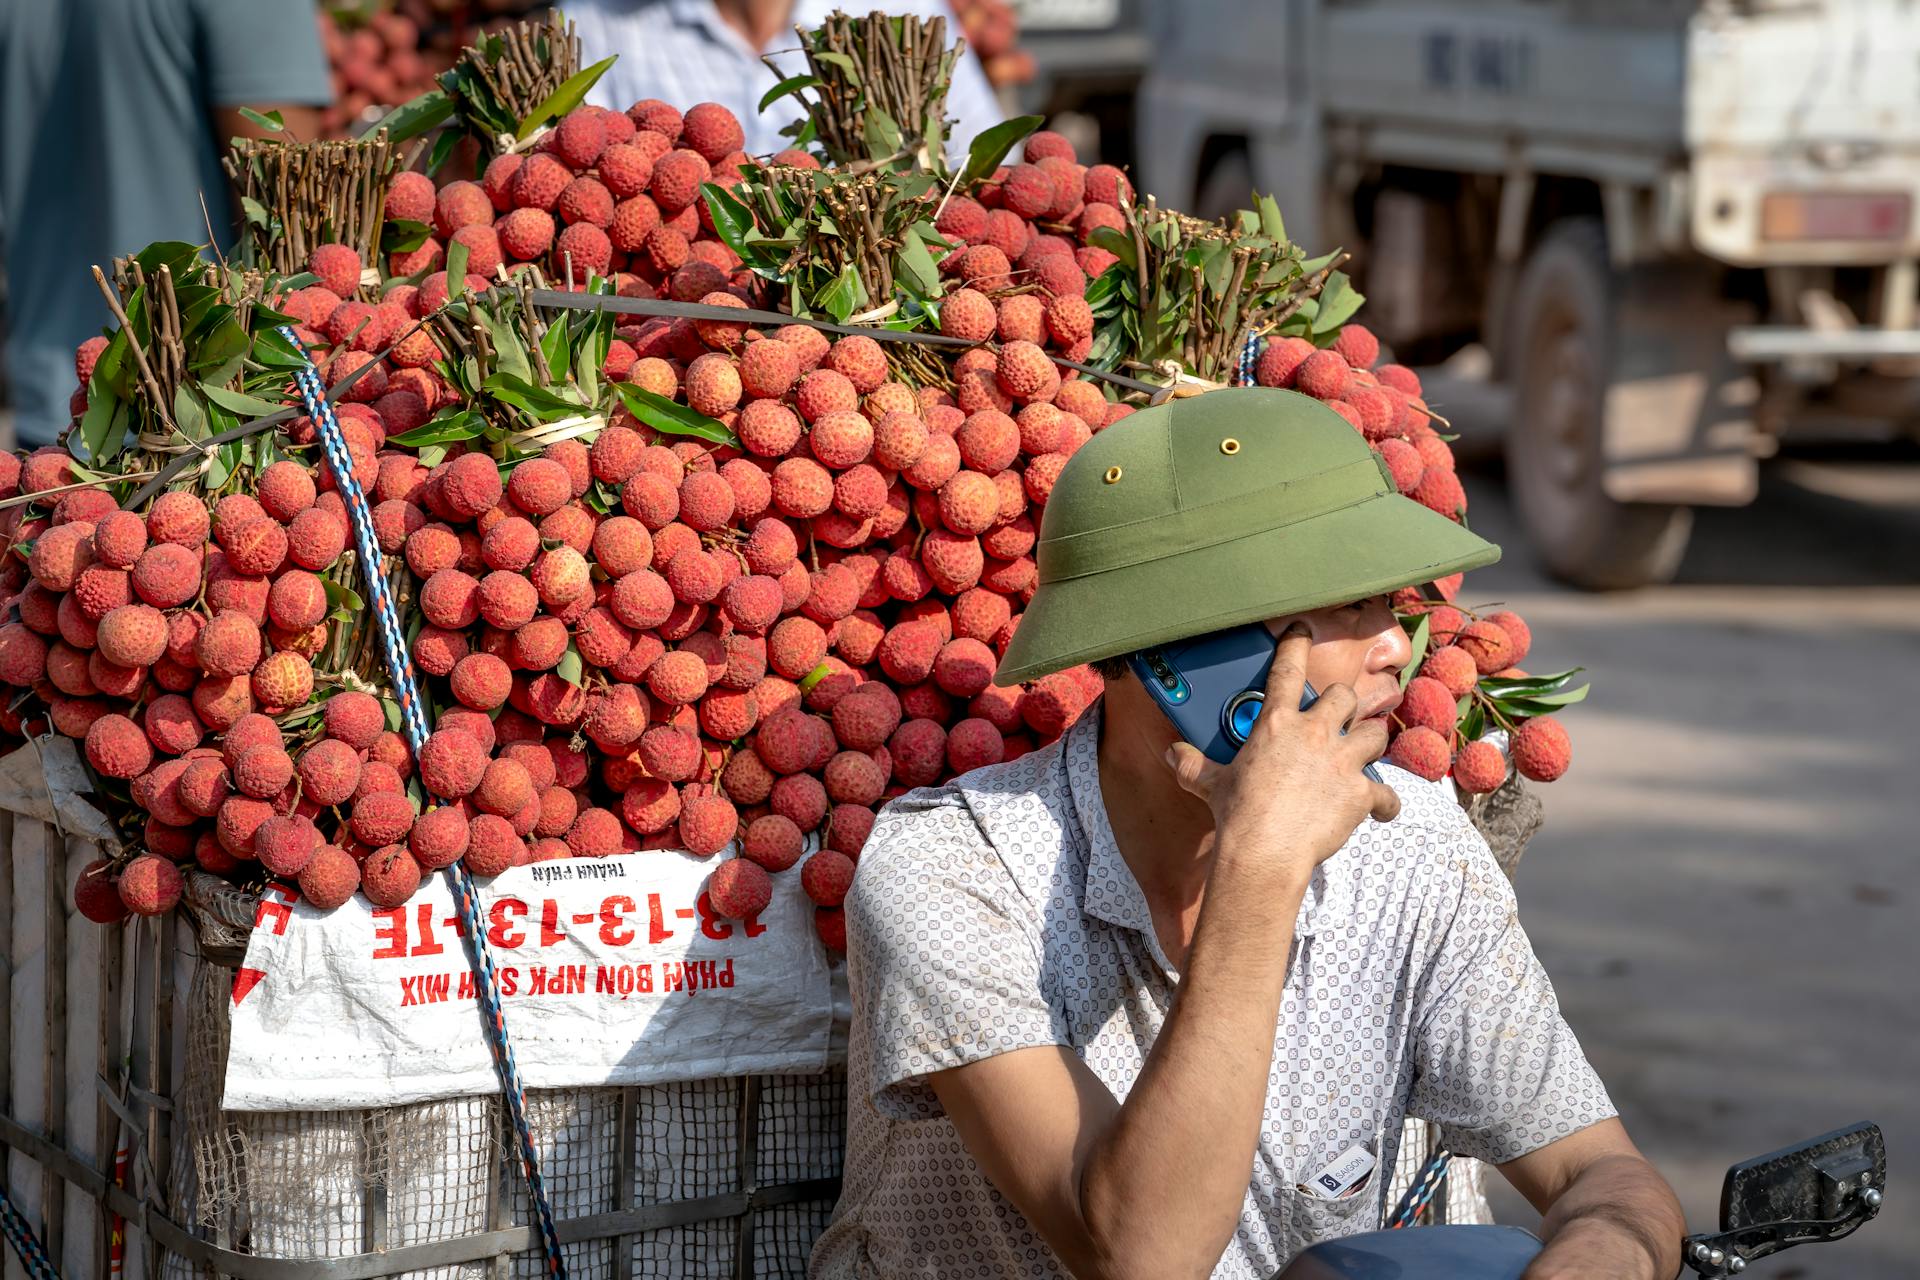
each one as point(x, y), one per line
point(1229, 446)
point(1113, 475)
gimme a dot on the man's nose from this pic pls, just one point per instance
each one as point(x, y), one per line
point(1391, 650)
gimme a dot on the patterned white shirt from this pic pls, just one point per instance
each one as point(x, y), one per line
point(681, 52)
point(996, 914)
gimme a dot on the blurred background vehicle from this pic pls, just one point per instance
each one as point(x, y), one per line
point(1643, 241)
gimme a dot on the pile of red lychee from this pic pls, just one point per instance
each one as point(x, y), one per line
point(633, 640)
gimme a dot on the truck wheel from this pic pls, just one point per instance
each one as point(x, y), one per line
point(1564, 317)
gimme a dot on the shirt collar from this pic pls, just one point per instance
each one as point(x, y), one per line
point(1114, 895)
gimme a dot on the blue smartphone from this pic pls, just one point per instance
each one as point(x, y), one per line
point(1212, 686)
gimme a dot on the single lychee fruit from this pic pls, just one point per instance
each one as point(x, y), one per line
point(389, 876)
point(826, 877)
point(1541, 749)
point(1478, 767)
point(1358, 345)
point(1508, 621)
point(1025, 372)
point(707, 824)
point(1422, 752)
point(1488, 644)
point(117, 747)
point(451, 764)
point(95, 895)
point(1453, 667)
point(1427, 702)
point(739, 888)
point(330, 877)
point(338, 267)
point(151, 885)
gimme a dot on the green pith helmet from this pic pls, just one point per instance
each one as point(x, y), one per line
point(1217, 510)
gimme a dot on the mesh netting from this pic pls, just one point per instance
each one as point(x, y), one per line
point(1462, 1196)
point(335, 1183)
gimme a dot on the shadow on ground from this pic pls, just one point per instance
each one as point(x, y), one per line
point(1725, 892)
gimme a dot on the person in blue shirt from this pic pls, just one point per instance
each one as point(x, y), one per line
point(113, 118)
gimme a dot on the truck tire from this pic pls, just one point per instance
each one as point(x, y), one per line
point(1563, 346)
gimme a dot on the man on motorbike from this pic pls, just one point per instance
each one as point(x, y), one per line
point(1117, 1007)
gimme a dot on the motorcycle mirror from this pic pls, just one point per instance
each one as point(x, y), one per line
point(1815, 1191)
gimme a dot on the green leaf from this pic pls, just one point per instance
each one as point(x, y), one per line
point(273, 350)
point(290, 283)
point(543, 403)
point(1529, 685)
point(442, 151)
point(564, 99)
point(392, 712)
point(398, 235)
point(916, 264)
point(1473, 722)
point(222, 342)
point(846, 295)
point(572, 667)
point(1216, 265)
point(343, 598)
point(176, 255)
point(1117, 243)
point(990, 147)
point(103, 430)
point(270, 120)
point(792, 84)
point(675, 419)
point(1270, 221)
point(842, 61)
point(239, 401)
point(225, 460)
point(189, 414)
point(456, 268)
point(1419, 642)
point(1109, 347)
point(1542, 704)
point(1339, 300)
point(732, 220)
point(446, 428)
point(509, 352)
point(257, 215)
point(556, 349)
point(411, 119)
point(882, 132)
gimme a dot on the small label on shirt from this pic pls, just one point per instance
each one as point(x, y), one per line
point(1341, 1176)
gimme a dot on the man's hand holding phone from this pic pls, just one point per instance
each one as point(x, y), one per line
point(1295, 791)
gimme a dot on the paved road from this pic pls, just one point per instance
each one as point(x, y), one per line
point(1725, 892)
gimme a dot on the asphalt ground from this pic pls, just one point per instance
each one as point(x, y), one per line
point(1724, 892)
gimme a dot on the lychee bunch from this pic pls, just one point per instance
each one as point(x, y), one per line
point(1468, 682)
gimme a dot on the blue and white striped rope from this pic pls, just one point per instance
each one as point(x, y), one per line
point(1249, 358)
point(412, 712)
point(1417, 1196)
point(33, 1255)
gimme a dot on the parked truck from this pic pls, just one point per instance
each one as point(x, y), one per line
point(1670, 232)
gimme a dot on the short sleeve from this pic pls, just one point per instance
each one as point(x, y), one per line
point(261, 51)
point(943, 957)
point(1497, 1066)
